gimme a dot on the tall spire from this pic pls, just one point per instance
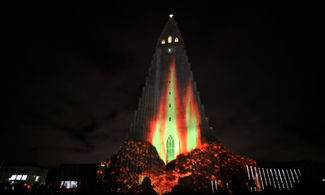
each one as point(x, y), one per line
point(170, 115)
point(170, 33)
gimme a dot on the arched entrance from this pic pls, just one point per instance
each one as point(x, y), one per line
point(170, 149)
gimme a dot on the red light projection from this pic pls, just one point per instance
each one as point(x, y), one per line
point(176, 127)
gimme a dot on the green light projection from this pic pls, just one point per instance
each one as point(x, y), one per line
point(157, 141)
point(166, 126)
point(171, 116)
point(193, 118)
point(192, 126)
point(171, 125)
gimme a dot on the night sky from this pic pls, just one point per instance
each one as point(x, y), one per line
point(72, 75)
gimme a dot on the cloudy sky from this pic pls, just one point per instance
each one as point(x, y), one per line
point(73, 73)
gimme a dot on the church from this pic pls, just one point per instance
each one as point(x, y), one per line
point(170, 114)
point(172, 148)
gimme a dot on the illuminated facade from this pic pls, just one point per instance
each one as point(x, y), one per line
point(170, 115)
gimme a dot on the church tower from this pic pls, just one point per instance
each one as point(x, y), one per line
point(170, 115)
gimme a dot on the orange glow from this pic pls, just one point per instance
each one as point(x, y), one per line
point(164, 183)
point(178, 119)
point(213, 161)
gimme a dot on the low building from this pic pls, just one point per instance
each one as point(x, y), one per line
point(75, 177)
point(281, 176)
point(23, 175)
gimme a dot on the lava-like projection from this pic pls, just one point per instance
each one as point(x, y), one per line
point(176, 129)
point(193, 170)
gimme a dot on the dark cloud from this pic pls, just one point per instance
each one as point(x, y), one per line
point(73, 75)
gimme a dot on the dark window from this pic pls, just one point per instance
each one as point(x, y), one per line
point(170, 118)
point(170, 93)
point(170, 105)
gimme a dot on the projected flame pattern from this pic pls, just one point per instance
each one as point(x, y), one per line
point(134, 161)
point(176, 129)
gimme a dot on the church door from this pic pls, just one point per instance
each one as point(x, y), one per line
point(170, 149)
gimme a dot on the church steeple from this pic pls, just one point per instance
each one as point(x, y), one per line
point(170, 34)
point(170, 115)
